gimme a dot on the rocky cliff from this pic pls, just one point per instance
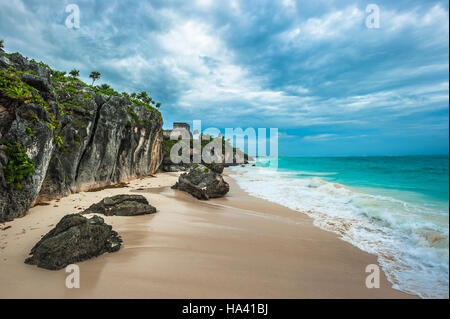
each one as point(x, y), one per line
point(59, 135)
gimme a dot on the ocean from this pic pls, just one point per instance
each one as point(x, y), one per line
point(395, 207)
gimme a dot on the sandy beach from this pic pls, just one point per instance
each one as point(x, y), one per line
point(233, 247)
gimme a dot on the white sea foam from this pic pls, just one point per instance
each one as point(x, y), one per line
point(410, 241)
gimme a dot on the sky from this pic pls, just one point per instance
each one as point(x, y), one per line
point(312, 69)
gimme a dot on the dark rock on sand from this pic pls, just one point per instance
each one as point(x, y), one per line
point(215, 167)
point(202, 183)
point(75, 238)
point(122, 205)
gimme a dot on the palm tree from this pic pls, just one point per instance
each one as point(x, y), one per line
point(74, 73)
point(143, 96)
point(94, 76)
point(104, 87)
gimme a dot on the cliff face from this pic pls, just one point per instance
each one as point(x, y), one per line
point(59, 135)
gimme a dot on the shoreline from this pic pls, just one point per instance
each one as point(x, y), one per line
point(237, 246)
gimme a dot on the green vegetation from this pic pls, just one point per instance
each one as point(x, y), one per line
point(143, 96)
point(18, 93)
point(142, 100)
point(30, 132)
point(19, 165)
point(71, 95)
point(138, 101)
point(1, 44)
point(105, 89)
point(167, 146)
point(60, 109)
point(50, 126)
point(94, 76)
point(35, 118)
point(39, 63)
point(60, 143)
point(14, 88)
point(58, 75)
point(74, 73)
point(79, 123)
point(77, 140)
point(206, 139)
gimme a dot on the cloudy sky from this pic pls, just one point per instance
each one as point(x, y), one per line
point(313, 69)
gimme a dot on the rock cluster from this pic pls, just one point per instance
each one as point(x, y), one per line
point(183, 129)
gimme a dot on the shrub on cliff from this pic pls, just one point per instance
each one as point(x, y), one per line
point(12, 86)
point(167, 146)
point(105, 89)
point(19, 165)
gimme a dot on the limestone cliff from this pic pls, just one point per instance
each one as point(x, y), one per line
point(59, 135)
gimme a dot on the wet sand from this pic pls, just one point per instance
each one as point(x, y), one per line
point(233, 247)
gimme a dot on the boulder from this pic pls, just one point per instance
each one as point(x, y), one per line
point(122, 205)
point(202, 183)
point(4, 62)
point(75, 238)
point(215, 167)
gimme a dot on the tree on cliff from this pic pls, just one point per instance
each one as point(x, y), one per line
point(143, 96)
point(158, 105)
point(94, 76)
point(1, 44)
point(74, 73)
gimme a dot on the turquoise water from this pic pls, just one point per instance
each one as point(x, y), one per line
point(393, 207)
point(420, 179)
